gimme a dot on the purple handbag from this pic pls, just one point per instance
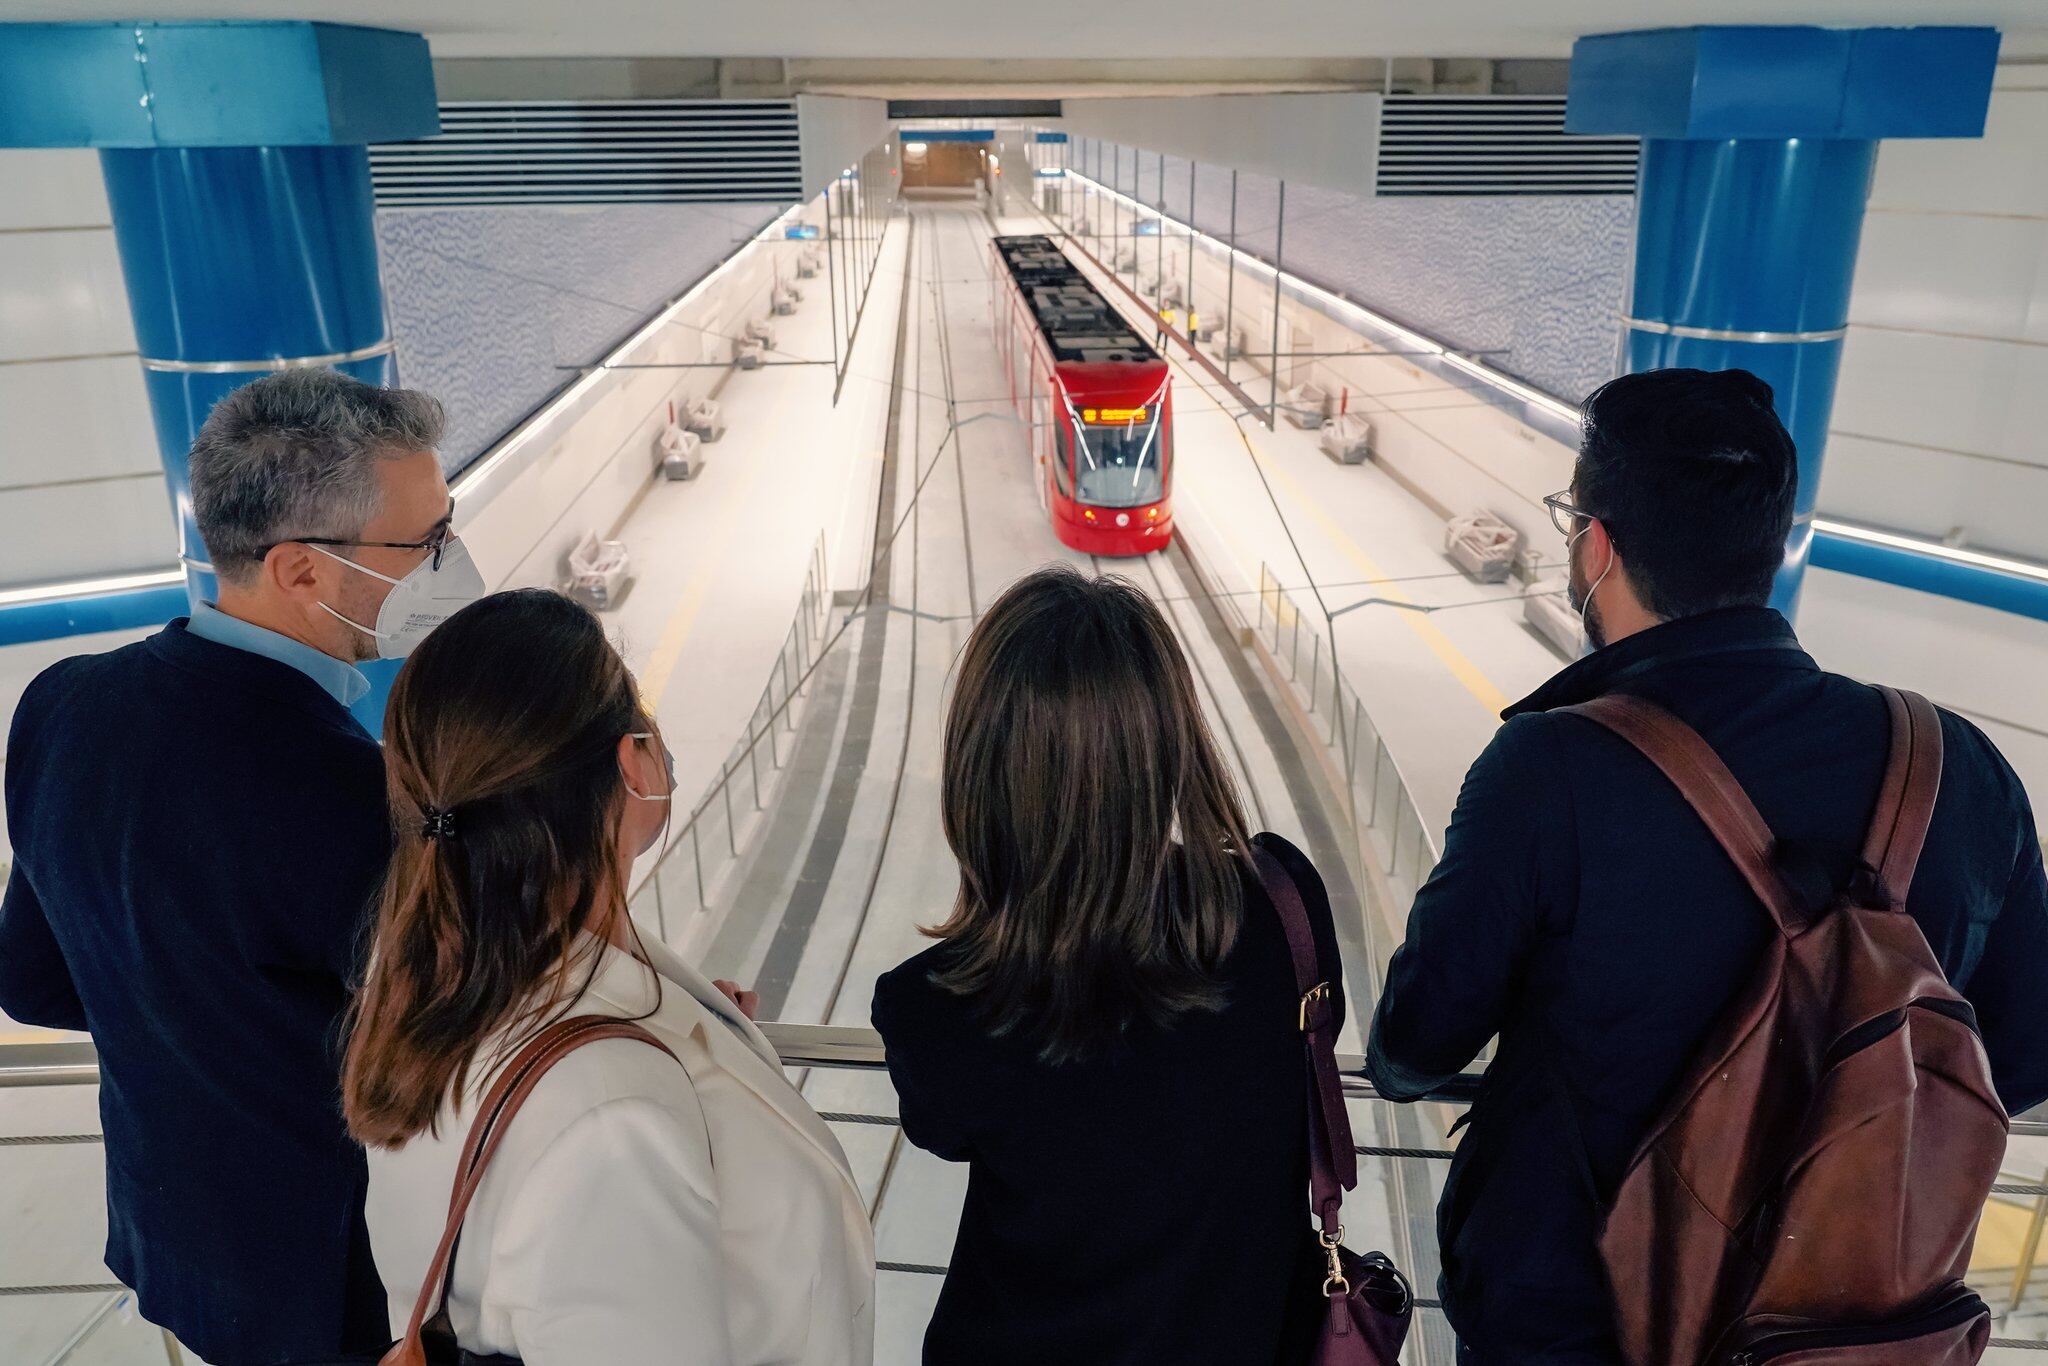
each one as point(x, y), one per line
point(1368, 1301)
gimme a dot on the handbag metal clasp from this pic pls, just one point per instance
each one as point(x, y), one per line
point(1333, 1244)
point(1315, 995)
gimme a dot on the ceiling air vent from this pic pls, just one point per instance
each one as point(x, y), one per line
point(596, 152)
point(1495, 145)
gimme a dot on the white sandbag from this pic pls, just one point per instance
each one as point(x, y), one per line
point(597, 570)
point(1346, 438)
point(1482, 545)
point(1305, 405)
point(703, 416)
point(681, 452)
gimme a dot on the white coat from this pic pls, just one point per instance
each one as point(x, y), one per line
point(639, 1212)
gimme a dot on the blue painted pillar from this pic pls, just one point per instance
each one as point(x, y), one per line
point(241, 261)
point(1758, 148)
point(237, 168)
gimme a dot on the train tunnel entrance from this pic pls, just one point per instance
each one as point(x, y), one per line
point(942, 170)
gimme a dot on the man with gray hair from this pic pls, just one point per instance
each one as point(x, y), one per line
point(199, 829)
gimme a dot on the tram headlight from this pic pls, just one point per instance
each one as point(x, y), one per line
point(1087, 514)
point(1152, 513)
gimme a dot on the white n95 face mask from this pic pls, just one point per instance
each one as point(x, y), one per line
point(668, 758)
point(418, 602)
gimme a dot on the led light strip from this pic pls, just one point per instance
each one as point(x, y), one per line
point(1934, 550)
point(91, 588)
point(237, 367)
point(1691, 333)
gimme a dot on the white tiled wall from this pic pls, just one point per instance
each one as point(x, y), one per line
point(1943, 399)
point(81, 487)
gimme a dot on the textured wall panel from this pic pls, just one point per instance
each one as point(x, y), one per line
point(1537, 279)
point(489, 304)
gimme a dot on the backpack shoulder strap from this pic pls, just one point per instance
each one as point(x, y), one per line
point(1905, 799)
point(1332, 1160)
point(1706, 784)
point(514, 1083)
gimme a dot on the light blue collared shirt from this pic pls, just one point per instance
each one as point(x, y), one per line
point(342, 682)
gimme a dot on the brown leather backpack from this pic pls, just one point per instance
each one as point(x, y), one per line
point(1811, 1191)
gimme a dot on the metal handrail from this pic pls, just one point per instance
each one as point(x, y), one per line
point(774, 712)
point(856, 1048)
point(839, 1047)
point(75, 1062)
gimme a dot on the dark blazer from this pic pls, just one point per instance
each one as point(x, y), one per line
point(1582, 911)
point(198, 832)
point(1146, 1205)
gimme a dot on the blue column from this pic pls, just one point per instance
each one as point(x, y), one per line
point(237, 169)
point(241, 261)
point(1758, 149)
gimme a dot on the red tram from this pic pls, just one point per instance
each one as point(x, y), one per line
point(1095, 397)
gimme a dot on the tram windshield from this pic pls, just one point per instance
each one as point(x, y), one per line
point(1119, 464)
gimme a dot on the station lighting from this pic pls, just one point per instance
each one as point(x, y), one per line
point(85, 588)
point(1934, 550)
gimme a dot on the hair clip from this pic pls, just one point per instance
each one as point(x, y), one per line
point(440, 825)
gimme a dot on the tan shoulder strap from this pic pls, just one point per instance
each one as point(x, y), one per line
point(1705, 782)
point(1905, 799)
point(494, 1115)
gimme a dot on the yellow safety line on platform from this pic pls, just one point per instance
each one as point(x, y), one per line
point(38, 1036)
point(661, 664)
point(1462, 668)
point(1468, 674)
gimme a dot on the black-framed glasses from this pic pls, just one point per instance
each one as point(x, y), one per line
point(435, 544)
point(1568, 517)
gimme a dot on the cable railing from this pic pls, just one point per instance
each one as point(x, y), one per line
point(684, 875)
point(859, 1049)
point(1377, 795)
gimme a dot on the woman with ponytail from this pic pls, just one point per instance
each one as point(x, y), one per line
point(638, 1210)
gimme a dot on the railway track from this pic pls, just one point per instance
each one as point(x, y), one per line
point(871, 865)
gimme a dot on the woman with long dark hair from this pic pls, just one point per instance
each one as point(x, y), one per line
point(1107, 1031)
point(678, 1203)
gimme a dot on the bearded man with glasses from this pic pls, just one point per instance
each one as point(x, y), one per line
point(1584, 915)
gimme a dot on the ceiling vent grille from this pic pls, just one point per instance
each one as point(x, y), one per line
point(596, 152)
point(1495, 145)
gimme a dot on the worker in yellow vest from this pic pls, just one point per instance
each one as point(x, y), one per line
point(1169, 318)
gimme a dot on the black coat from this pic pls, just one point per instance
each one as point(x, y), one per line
point(198, 832)
point(1582, 912)
point(1148, 1205)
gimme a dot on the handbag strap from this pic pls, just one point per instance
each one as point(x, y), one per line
point(1332, 1160)
point(494, 1116)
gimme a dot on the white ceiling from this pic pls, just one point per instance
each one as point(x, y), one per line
point(1051, 28)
